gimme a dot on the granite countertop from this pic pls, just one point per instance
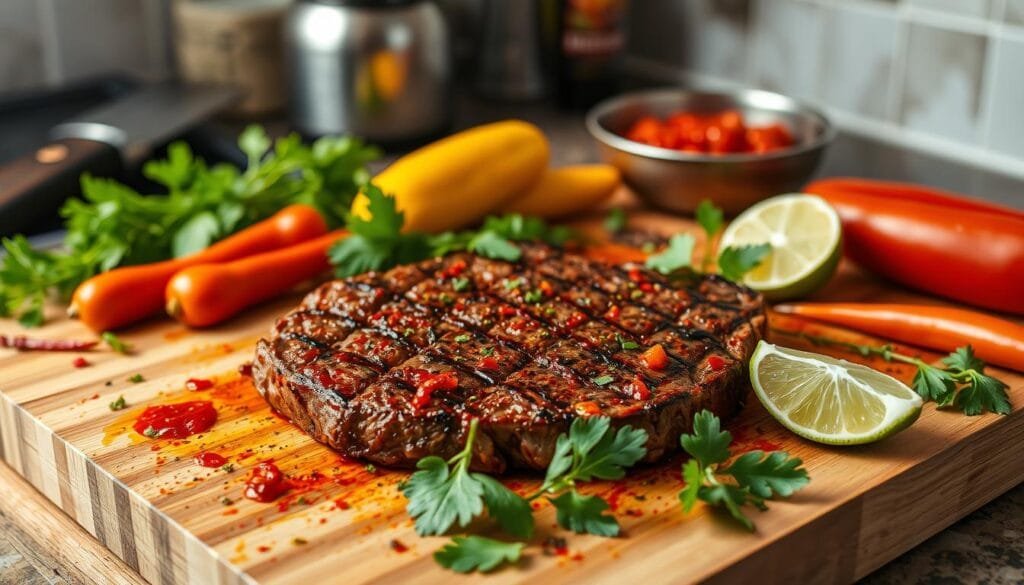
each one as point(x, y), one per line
point(986, 546)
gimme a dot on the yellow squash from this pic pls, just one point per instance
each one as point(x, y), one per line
point(455, 182)
point(566, 191)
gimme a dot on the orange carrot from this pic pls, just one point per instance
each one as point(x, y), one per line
point(994, 340)
point(123, 296)
point(206, 294)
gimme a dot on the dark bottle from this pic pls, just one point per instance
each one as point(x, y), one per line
point(587, 40)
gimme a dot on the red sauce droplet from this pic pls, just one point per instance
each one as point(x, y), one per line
point(398, 546)
point(245, 369)
point(489, 363)
point(80, 362)
point(210, 459)
point(266, 483)
point(716, 363)
point(176, 421)
point(427, 383)
point(197, 384)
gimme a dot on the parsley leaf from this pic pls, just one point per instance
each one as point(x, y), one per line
point(602, 380)
point(693, 476)
point(709, 217)
point(491, 245)
point(377, 243)
point(625, 343)
point(735, 263)
point(963, 359)
point(934, 384)
point(615, 222)
point(767, 475)
point(439, 497)
point(460, 284)
point(512, 512)
point(115, 343)
point(678, 254)
point(708, 444)
point(751, 479)
point(465, 554)
point(983, 393)
point(584, 514)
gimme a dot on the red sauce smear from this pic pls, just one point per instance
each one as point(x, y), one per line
point(80, 362)
point(398, 546)
point(427, 383)
point(716, 363)
point(197, 384)
point(210, 459)
point(266, 483)
point(176, 421)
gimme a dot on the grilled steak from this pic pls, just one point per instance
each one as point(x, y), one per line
point(391, 367)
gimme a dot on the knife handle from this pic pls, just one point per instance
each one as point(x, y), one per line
point(33, 187)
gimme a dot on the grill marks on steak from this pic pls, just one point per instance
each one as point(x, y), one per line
point(530, 344)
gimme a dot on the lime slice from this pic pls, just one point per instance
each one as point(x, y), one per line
point(828, 400)
point(805, 235)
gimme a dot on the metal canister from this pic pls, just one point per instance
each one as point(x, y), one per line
point(380, 69)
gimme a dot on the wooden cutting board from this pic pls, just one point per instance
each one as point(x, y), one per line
point(177, 522)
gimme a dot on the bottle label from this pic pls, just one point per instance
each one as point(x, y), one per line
point(593, 28)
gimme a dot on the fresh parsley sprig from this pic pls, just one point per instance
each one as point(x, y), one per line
point(113, 225)
point(752, 478)
point(378, 243)
point(962, 383)
point(733, 262)
point(443, 493)
point(592, 449)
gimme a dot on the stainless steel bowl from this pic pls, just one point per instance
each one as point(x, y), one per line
point(677, 181)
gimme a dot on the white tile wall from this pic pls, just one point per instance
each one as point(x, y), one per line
point(21, 45)
point(786, 53)
point(942, 82)
point(50, 41)
point(1005, 129)
point(857, 61)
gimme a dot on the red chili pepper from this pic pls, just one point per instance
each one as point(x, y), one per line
point(994, 340)
point(456, 268)
point(427, 383)
point(489, 363)
point(716, 363)
point(612, 313)
point(23, 343)
point(575, 319)
point(80, 362)
point(656, 358)
point(507, 311)
point(638, 389)
point(546, 289)
point(971, 255)
point(906, 192)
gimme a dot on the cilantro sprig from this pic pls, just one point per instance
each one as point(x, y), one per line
point(378, 243)
point(961, 384)
point(751, 479)
point(442, 494)
point(113, 225)
point(734, 262)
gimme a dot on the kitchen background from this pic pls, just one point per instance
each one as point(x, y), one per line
point(945, 76)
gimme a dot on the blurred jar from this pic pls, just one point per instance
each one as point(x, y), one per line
point(379, 69)
point(234, 42)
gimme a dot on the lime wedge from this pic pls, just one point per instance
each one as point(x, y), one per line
point(828, 400)
point(805, 235)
